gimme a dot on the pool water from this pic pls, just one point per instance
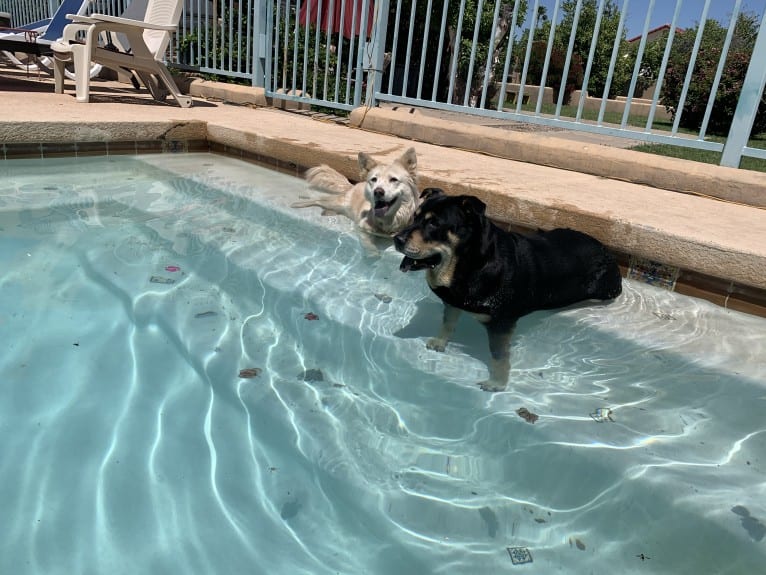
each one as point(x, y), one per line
point(197, 378)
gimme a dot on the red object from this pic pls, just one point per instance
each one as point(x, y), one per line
point(311, 316)
point(331, 17)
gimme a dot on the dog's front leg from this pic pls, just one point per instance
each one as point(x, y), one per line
point(500, 364)
point(451, 315)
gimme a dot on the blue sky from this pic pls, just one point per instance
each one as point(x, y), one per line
point(691, 10)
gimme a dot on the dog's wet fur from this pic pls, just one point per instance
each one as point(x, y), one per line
point(382, 203)
point(499, 276)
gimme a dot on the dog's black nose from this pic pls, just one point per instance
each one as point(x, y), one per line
point(379, 192)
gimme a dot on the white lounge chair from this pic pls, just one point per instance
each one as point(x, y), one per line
point(35, 38)
point(148, 40)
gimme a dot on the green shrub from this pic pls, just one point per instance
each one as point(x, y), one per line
point(555, 70)
point(705, 67)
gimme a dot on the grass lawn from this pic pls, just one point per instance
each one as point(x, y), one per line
point(705, 156)
point(570, 111)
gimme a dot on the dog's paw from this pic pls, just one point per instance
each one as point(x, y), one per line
point(491, 385)
point(436, 344)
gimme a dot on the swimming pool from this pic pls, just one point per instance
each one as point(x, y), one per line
point(198, 379)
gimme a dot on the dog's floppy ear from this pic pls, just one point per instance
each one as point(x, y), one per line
point(473, 204)
point(429, 193)
point(366, 163)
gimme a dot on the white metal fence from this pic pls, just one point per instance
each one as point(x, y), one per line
point(564, 63)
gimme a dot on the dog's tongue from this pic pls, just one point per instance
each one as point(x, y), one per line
point(381, 209)
point(408, 264)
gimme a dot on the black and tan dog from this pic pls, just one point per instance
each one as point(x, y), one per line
point(499, 276)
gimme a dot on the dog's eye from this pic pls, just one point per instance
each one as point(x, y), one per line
point(393, 180)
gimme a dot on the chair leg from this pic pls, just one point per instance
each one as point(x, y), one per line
point(167, 79)
point(81, 58)
point(58, 74)
point(154, 87)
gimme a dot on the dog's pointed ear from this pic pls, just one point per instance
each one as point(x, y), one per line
point(472, 204)
point(429, 193)
point(366, 163)
point(410, 161)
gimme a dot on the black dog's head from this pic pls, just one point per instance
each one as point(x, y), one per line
point(441, 225)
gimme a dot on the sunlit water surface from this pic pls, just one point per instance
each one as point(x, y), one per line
point(134, 291)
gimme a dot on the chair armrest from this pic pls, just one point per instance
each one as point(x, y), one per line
point(76, 18)
point(102, 18)
point(72, 30)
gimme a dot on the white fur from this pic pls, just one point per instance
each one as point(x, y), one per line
point(395, 183)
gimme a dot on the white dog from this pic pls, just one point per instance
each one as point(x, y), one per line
point(382, 203)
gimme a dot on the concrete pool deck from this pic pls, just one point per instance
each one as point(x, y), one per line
point(712, 248)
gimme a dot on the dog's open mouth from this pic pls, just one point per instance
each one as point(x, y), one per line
point(382, 207)
point(409, 264)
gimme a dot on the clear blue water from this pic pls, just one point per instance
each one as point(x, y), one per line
point(134, 290)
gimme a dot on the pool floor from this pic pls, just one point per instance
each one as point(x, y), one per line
point(197, 378)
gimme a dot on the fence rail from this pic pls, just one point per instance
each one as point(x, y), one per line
point(563, 63)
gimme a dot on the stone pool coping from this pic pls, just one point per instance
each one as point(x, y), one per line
point(710, 248)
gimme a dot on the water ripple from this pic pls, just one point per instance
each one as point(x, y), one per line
point(131, 443)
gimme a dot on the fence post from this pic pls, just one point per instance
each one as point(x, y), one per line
point(374, 67)
point(749, 99)
point(259, 44)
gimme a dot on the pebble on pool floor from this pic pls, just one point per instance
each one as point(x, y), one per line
point(602, 414)
point(527, 415)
